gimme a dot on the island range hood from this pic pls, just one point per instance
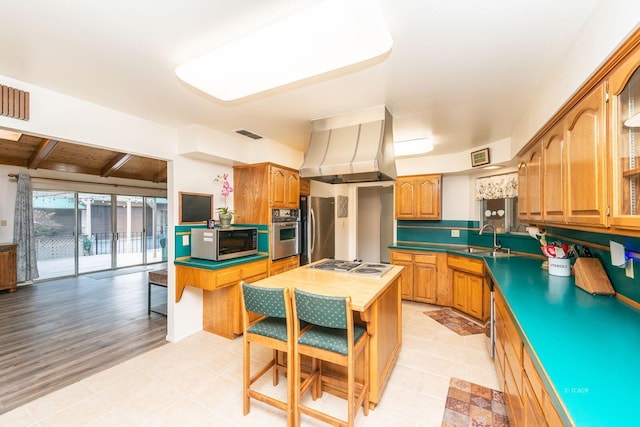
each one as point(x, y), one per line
point(357, 147)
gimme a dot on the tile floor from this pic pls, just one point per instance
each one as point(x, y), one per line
point(198, 382)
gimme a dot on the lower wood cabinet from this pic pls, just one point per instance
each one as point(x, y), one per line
point(221, 305)
point(8, 267)
point(527, 401)
point(422, 279)
point(282, 265)
point(470, 288)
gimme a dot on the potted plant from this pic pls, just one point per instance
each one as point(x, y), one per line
point(224, 213)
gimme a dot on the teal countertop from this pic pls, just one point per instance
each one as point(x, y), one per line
point(589, 346)
point(215, 265)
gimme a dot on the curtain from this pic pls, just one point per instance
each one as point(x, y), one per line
point(23, 231)
point(503, 186)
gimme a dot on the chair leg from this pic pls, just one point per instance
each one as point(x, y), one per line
point(246, 377)
point(275, 367)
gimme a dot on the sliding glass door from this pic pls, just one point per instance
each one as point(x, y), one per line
point(95, 232)
point(86, 232)
point(54, 229)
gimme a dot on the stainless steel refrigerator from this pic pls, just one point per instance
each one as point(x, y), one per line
point(318, 239)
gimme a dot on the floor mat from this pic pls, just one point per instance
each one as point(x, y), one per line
point(474, 405)
point(458, 324)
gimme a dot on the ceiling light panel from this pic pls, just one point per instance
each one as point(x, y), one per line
point(327, 36)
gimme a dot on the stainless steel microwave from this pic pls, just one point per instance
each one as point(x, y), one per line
point(219, 244)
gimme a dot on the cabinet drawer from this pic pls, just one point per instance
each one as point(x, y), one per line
point(534, 378)
point(401, 256)
point(254, 269)
point(463, 263)
point(425, 259)
point(226, 278)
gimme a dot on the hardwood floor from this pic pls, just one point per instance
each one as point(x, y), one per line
point(55, 333)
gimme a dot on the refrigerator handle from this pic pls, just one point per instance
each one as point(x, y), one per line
point(312, 216)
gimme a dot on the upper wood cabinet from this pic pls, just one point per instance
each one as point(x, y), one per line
point(586, 202)
point(258, 188)
point(530, 185)
point(305, 186)
point(285, 188)
point(418, 197)
point(624, 86)
point(553, 168)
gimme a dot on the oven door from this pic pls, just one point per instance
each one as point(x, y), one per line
point(284, 239)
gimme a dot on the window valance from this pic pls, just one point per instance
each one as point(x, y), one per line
point(502, 186)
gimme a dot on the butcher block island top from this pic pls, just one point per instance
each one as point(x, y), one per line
point(363, 290)
point(377, 304)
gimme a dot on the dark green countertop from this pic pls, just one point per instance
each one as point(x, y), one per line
point(588, 346)
point(215, 265)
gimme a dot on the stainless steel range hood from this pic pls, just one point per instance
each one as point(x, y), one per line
point(357, 147)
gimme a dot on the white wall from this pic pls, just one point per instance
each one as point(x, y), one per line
point(611, 23)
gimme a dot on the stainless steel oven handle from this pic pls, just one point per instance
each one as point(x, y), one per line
point(312, 216)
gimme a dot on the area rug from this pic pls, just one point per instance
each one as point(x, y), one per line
point(455, 322)
point(472, 405)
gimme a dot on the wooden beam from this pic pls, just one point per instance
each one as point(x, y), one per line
point(114, 164)
point(44, 150)
point(161, 176)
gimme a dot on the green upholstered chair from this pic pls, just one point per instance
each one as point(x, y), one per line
point(333, 337)
point(267, 318)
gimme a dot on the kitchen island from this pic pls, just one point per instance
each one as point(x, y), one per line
point(375, 300)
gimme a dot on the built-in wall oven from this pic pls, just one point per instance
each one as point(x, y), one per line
point(285, 233)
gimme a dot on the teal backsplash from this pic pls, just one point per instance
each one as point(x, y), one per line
point(184, 250)
point(439, 232)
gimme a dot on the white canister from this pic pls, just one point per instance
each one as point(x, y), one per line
point(560, 266)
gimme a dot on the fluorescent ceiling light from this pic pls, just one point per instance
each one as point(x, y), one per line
point(327, 36)
point(9, 135)
point(412, 147)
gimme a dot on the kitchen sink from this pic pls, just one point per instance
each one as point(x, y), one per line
point(485, 252)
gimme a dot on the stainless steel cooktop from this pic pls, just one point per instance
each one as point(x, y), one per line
point(360, 268)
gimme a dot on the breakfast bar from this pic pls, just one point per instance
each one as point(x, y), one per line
point(376, 300)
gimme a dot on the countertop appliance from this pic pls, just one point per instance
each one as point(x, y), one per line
point(219, 244)
point(285, 233)
point(359, 268)
point(318, 228)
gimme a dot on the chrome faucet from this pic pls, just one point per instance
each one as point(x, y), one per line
point(496, 246)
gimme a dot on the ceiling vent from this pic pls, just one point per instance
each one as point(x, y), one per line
point(248, 134)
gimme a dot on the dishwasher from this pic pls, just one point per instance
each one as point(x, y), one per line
point(490, 326)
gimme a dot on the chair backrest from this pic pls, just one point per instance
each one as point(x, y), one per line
point(267, 301)
point(330, 312)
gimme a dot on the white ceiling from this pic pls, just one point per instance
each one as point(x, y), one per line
point(461, 71)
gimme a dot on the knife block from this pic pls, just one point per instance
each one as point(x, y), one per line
point(591, 277)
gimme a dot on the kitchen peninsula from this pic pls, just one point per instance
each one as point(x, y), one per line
point(375, 300)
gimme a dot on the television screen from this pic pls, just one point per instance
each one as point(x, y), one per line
point(195, 208)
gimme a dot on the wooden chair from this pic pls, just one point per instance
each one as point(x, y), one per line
point(272, 328)
point(334, 338)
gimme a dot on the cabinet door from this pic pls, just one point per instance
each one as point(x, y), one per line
point(405, 198)
point(278, 187)
point(459, 282)
point(406, 278)
point(475, 300)
point(533, 415)
point(429, 197)
point(523, 196)
point(424, 282)
point(292, 189)
point(586, 179)
point(553, 168)
point(624, 85)
point(534, 182)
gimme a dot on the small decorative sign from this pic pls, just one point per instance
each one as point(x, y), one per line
point(343, 203)
point(480, 157)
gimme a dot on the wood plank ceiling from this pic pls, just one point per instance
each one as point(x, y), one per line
point(33, 152)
